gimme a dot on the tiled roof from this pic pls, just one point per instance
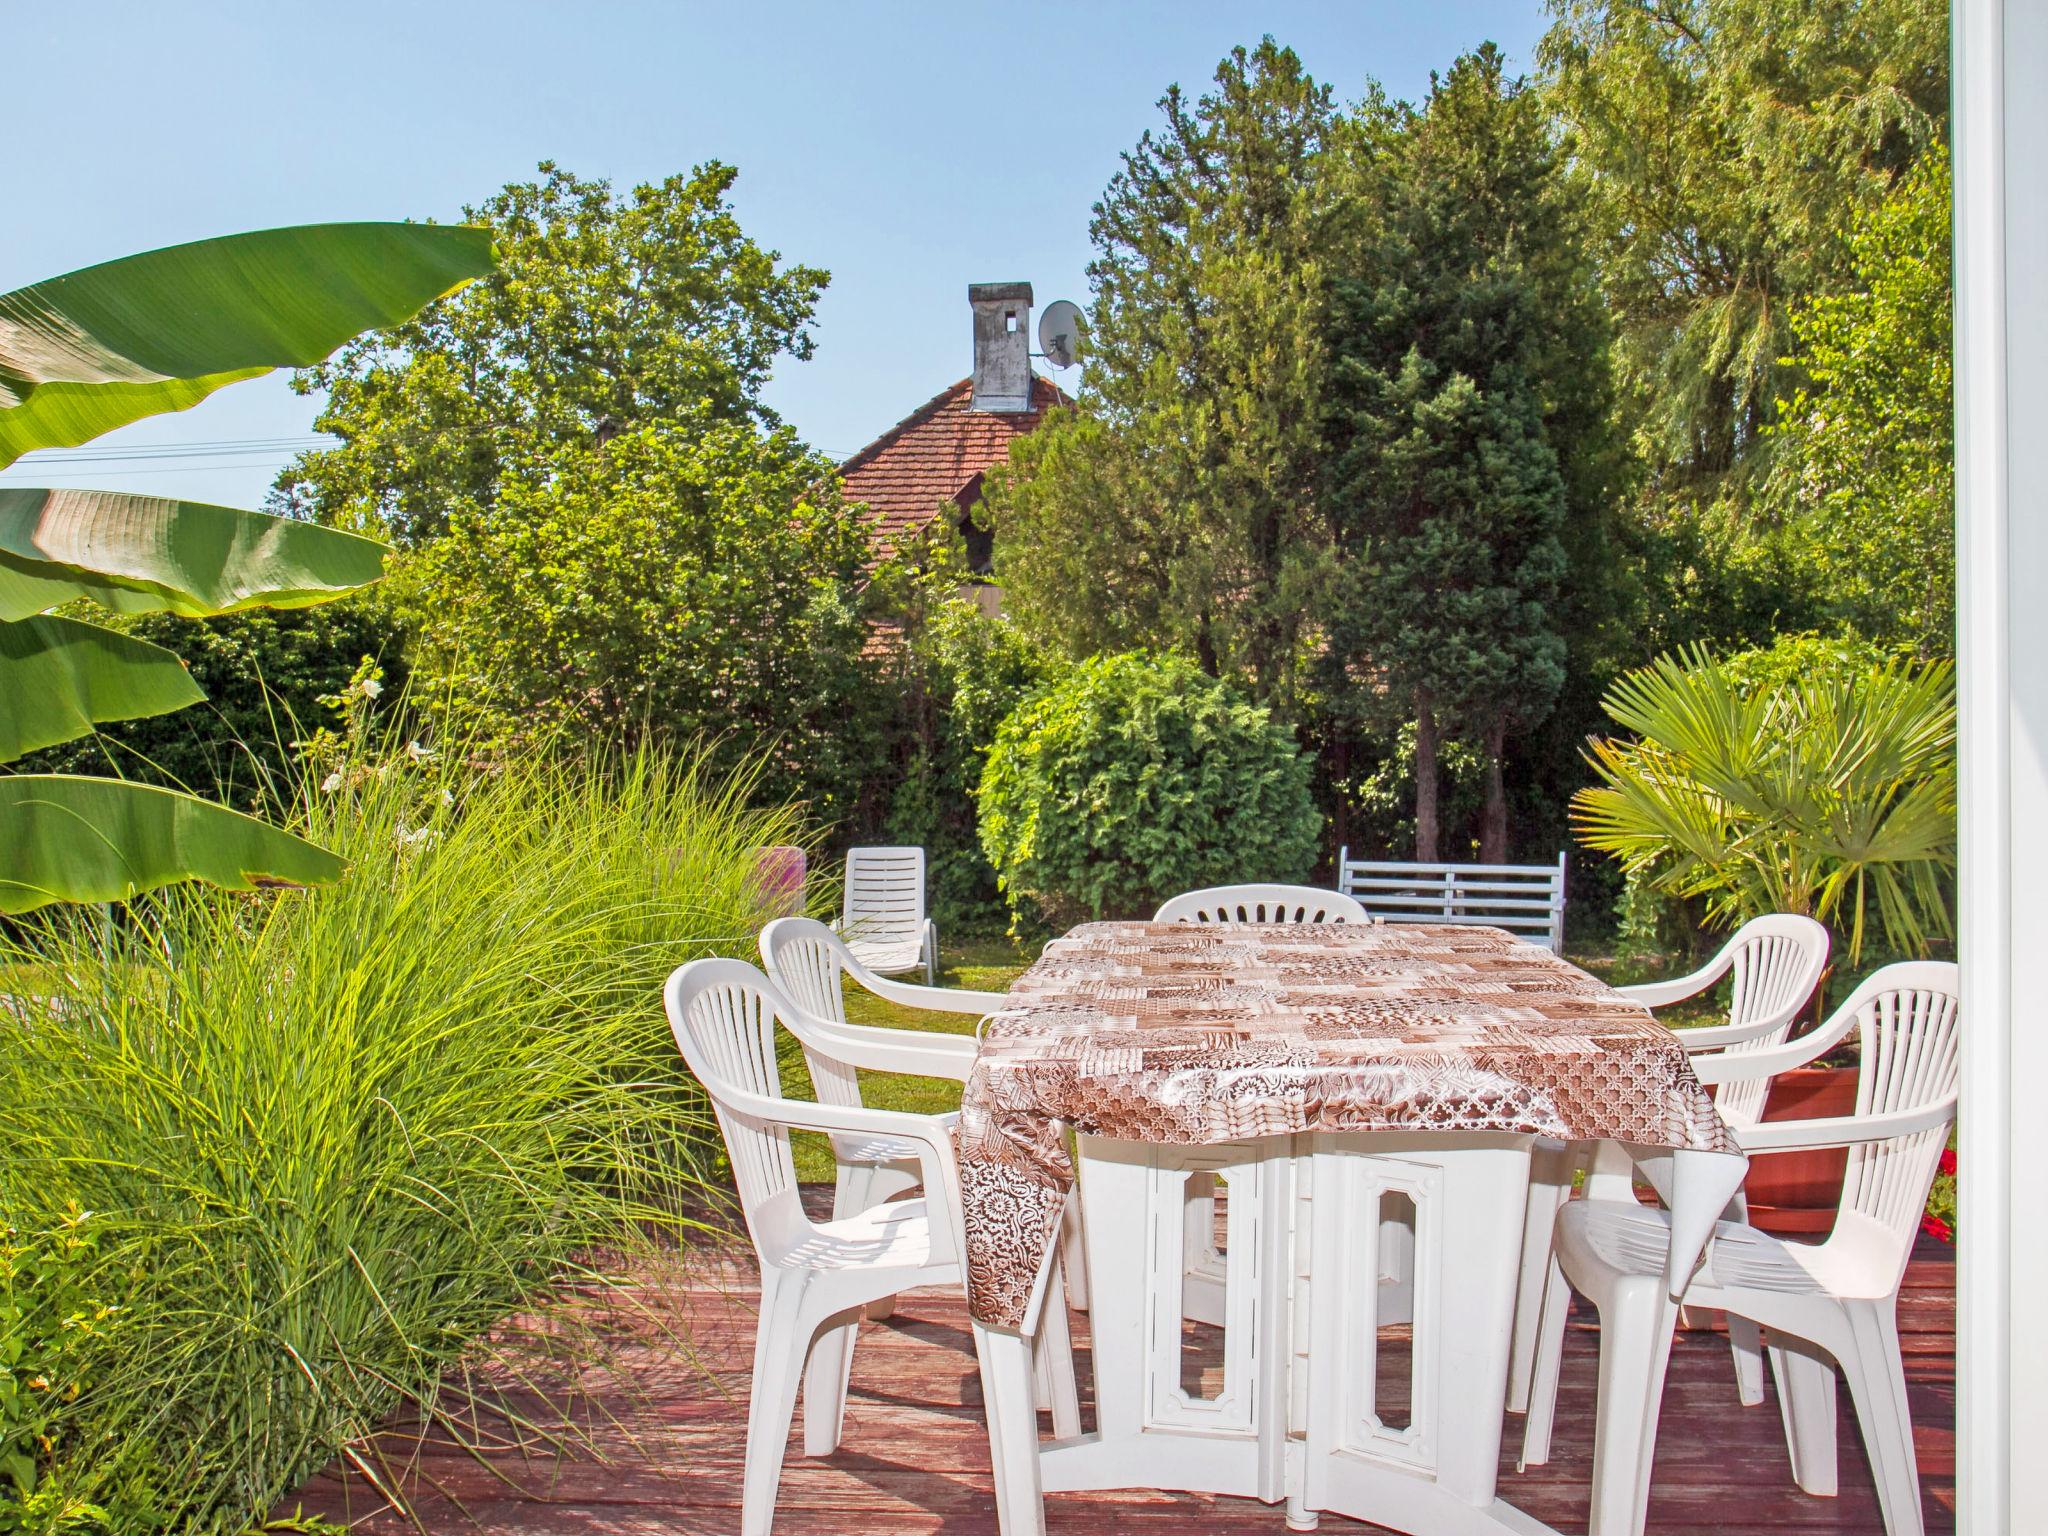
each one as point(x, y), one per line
point(932, 455)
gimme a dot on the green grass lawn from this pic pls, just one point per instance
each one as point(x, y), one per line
point(990, 965)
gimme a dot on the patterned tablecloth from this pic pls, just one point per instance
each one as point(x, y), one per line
point(1203, 1034)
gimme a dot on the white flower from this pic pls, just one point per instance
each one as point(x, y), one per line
point(408, 838)
point(447, 797)
point(419, 753)
point(371, 687)
point(331, 783)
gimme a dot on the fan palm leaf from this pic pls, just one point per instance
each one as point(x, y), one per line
point(1832, 795)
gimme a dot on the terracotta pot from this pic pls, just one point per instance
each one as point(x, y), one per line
point(1796, 1193)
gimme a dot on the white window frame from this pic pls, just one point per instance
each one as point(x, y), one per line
point(2000, 93)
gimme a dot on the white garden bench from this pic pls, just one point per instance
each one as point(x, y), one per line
point(1526, 899)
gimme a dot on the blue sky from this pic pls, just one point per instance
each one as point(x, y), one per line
point(908, 149)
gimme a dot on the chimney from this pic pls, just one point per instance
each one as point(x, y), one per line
point(1002, 346)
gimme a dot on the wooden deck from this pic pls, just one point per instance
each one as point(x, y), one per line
point(659, 1448)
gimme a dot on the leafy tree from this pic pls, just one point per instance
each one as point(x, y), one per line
point(681, 581)
point(1720, 147)
point(603, 529)
point(606, 314)
point(1445, 496)
point(1175, 505)
point(1133, 777)
point(1868, 463)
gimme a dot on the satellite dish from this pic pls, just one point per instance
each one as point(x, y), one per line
point(1059, 333)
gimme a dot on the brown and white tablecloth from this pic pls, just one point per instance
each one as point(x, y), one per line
point(1211, 1033)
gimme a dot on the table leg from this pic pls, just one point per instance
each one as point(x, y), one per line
point(1008, 1400)
point(1429, 1467)
point(1696, 1187)
point(1155, 1428)
point(1551, 1166)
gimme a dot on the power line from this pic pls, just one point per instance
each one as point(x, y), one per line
point(234, 447)
point(221, 453)
point(23, 472)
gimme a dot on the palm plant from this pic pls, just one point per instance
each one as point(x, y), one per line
point(81, 355)
point(1831, 793)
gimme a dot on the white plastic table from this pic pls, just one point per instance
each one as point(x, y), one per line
point(1327, 1232)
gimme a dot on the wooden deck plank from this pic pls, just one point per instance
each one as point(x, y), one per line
point(665, 1443)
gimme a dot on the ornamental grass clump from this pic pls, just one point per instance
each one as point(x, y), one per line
point(369, 1147)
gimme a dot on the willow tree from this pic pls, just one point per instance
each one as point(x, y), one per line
point(1720, 147)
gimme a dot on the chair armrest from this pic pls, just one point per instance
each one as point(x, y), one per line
point(1661, 994)
point(932, 1135)
point(1725, 1067)
point(1843, 1130)
point(856, 1119)
point(916, 1052)
point(1716, 1037)
point(909, 994)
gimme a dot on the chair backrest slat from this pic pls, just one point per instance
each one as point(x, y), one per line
point(1907, 1021)
point(1909, 1059)
point(1261, 904)
point(1522, 898)
point(806, 960)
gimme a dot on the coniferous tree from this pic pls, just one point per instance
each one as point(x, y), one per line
point(1445, 499)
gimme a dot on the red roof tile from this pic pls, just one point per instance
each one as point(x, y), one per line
point(934, 454)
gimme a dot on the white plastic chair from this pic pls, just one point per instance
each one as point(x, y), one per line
point(1773, 963)
point(1261, 904)
point(806, 960)
point(883, 919)
point(816, 1276)
point(1831, 1301)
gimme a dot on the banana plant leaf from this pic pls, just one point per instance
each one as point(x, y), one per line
point(145, 554)
point(96, 349)
point(66, 838)
point(60, 677)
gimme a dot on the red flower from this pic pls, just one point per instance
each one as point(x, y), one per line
point(1935, 1227)
point(1947, 1164)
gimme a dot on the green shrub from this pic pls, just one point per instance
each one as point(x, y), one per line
point(264, 672)
point(1135, 777)
point(349, 1144)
